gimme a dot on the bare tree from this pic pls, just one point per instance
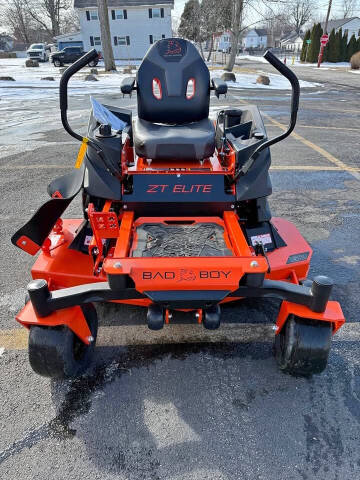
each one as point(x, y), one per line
point(70, 21)
point(349, 7)
point(299, 13)
point(214, 18)
point(236, 14)
point(47, 13)
point(16, 16)
point(107, 50)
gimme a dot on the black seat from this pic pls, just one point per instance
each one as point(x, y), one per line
point(173, 93)
point(179, 142)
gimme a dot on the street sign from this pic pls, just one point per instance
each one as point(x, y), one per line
point(324, 39)
point(308, 41)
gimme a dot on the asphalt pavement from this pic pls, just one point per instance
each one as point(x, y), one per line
point(186, 407)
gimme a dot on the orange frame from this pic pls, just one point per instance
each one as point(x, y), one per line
point(63, 267)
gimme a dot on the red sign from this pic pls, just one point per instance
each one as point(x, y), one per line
point(324, 39)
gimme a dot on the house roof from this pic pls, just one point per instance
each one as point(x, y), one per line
point(122, 3)
point(5, 36)
point(261, 31)
point(292, 37)
point(335, 24)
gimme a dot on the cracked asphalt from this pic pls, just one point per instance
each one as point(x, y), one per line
point(192, 410)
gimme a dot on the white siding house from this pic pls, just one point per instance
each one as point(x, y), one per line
point(292, 42)
point(255, 38)
point(222, 42)
point(349, 25)
point(135, 25)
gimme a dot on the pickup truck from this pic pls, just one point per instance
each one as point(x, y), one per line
point(69, 55)
point(38, 51)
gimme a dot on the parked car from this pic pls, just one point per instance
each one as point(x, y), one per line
point(38, 51)
point(69, 55)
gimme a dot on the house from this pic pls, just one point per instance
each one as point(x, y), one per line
point(222, 42)
point(134, 24)
point(349, 25)
point(6, 42)
point(292, 42)
point(256, 38)
point(69, 40)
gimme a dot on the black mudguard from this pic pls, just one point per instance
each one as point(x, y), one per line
point(64, 189)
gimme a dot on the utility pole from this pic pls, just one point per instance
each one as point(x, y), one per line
point(107, 50)
point(322, 46)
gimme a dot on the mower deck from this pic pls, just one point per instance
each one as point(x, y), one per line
point(176, 282)
point(206, 253)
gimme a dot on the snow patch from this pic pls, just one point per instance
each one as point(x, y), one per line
point(277, 82)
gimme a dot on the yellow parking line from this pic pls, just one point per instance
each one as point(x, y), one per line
point(126, 335)
point(341, 165)
point(304, 167)
point(313, 168)
point(320, 127)
point(14, 339)
point(309, 144)
point(312, 145)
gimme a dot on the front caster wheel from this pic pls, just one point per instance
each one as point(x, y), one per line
point(212, 317)
point(57, 352)
point(155, 317)
point(302, 347)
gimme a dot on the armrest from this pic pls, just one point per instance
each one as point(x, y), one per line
point(219, 86)
point(128, 85)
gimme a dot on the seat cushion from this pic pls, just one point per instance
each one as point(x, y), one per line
point(191, 141)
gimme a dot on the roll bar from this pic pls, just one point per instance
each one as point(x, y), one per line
point(290, 75)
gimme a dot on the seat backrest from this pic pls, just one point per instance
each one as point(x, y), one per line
point(173, 83)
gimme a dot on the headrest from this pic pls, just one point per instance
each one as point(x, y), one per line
point(169, 65)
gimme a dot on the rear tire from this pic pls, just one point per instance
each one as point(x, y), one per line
point(302, 347)
point(57, 352)
point(57, 63)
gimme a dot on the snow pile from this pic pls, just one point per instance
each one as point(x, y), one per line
point(248, 80)
point(297, 63)
point(253, 58)
point(28, 84)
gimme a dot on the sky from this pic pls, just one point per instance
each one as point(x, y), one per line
point(321, 9)
point(178, 7)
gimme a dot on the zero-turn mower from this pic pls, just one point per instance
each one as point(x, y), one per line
point(175, 217)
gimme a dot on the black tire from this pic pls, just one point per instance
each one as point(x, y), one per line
point(57, 352)
point(155, 317)
point(93, 63)
point(302, 347)
point(212, 317)
point(57, 63)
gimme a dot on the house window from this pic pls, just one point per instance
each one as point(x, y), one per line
point(122, 40)
point(119, 14)
point(92, 15)
point(156, 13)
point(155, 38)
point(95, 41)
